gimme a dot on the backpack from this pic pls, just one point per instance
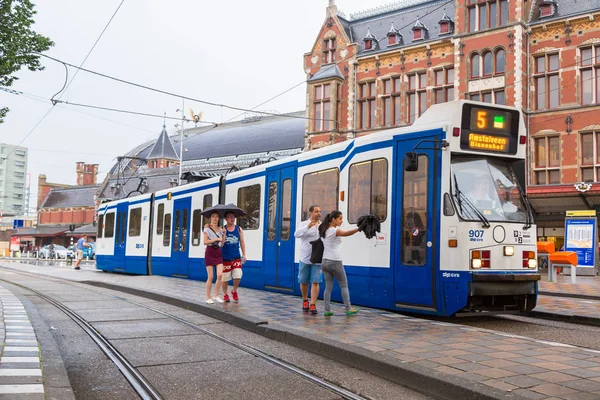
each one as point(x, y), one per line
point(316, 255)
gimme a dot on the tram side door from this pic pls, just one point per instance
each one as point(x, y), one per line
point(278, 250)
point(121, 236)
point(416, 223)
point(180, 251)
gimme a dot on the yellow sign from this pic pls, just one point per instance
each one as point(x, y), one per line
point(169, 196)
point(488, 142)
point(581, 213)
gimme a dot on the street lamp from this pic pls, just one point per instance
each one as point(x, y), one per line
point(181, 141)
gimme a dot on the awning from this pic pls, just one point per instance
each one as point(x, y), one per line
point(41, 231)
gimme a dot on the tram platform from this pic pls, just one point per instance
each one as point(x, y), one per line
point(31, 367)
point(439, 358)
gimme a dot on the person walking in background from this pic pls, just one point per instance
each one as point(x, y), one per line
point(309, 272)
point(232, 259)
point(213, 257)
point(332, 260)
point(81, 244)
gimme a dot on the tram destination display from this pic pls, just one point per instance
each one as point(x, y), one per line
point(488, 129)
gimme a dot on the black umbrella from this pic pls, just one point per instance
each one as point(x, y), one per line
point(223, 209)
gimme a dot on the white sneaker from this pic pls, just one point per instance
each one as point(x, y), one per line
point(218, 299)
point(210, 301)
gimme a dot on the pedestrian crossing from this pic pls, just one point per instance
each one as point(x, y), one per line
point(20, 364)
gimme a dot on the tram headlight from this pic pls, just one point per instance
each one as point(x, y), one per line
point(509, 250)
point(532, 263)
point(475, 263)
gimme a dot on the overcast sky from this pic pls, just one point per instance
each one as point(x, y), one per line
point(235, 52)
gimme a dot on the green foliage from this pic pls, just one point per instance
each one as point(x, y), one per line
point(18, 41)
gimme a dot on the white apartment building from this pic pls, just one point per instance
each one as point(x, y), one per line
point(13, 179)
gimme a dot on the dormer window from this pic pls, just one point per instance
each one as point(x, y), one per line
point(394, 36)
point(446, 24)
point(444, 27)
point(546, 10)
point(419, 31)
point(370, 41)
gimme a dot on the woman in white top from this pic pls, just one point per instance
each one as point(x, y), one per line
point(213, 257)
point(332, 260)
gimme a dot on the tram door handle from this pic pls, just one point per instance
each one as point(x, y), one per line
point(278, 244)
point(180, 246)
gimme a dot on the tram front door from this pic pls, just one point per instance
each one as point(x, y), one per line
point(121, 236)
point(415, 224)
point(278, 257)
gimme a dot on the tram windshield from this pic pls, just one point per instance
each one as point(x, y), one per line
point(487, 190)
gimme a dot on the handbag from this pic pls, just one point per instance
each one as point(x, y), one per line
point(316, 254)
point(214, 245)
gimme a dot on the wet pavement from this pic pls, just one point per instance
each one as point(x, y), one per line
point(430, 356)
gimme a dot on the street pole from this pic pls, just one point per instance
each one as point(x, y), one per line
point(181, 142)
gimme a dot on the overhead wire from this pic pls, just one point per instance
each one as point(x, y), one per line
point(67, 85)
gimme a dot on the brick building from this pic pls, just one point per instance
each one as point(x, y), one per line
point(384, 67)
point(63, 208)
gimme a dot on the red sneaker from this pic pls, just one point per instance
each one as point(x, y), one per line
point(313, 309)
point(226, 298)
point(305, 306)
point(235, 296)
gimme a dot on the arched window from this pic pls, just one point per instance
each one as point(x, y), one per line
point(487, 63)
point(475, 66)
point(500, 61)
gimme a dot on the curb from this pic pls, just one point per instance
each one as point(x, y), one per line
point(413, 376)
point(569, 295)
point(576, 319)
point(54, 374)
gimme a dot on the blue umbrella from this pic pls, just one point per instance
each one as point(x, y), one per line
point(223, 209)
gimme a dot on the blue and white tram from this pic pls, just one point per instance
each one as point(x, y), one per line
point(441, 249)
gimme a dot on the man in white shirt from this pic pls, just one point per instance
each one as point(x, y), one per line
point(308, 272)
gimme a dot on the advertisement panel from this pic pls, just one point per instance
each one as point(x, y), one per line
point(580, 234)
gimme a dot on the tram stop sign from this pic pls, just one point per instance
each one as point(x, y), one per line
point(581, 237)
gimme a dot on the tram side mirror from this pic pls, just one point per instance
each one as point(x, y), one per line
point(411, 162)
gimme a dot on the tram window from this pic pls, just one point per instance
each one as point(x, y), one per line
point(272, 212)
point(135, 222)
point(286, 209)
point(367, 191)
point(100, 225)
point(123, 218)
point(184, 229)
point(109, 225)
point(176, 231)
point(167, 230)
point(159, 219)
point(414, 226)
point(448, 207)
point(196, 227)
point(248, 199)
point(320, 188)
point(206, 203)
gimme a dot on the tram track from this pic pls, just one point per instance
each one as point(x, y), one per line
point(138, 382)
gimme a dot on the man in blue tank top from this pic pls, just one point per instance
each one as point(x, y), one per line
point(232, 258)
point(81, 245)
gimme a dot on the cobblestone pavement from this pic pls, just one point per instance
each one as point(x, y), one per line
point(505, 364)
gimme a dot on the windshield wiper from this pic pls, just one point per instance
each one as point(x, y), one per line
point(457, 194)
point(482, 218)
point(529, 214)
point(461, 197)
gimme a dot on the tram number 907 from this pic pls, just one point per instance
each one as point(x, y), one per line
point(476, 235)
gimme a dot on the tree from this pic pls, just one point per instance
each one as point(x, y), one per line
point(18, 42)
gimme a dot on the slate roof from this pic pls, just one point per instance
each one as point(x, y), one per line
point(566, 8)
point(428, 13)
point(163, 148)
point(327, 71)
point(76, 196)
point(264, 134)
point(89, 229)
